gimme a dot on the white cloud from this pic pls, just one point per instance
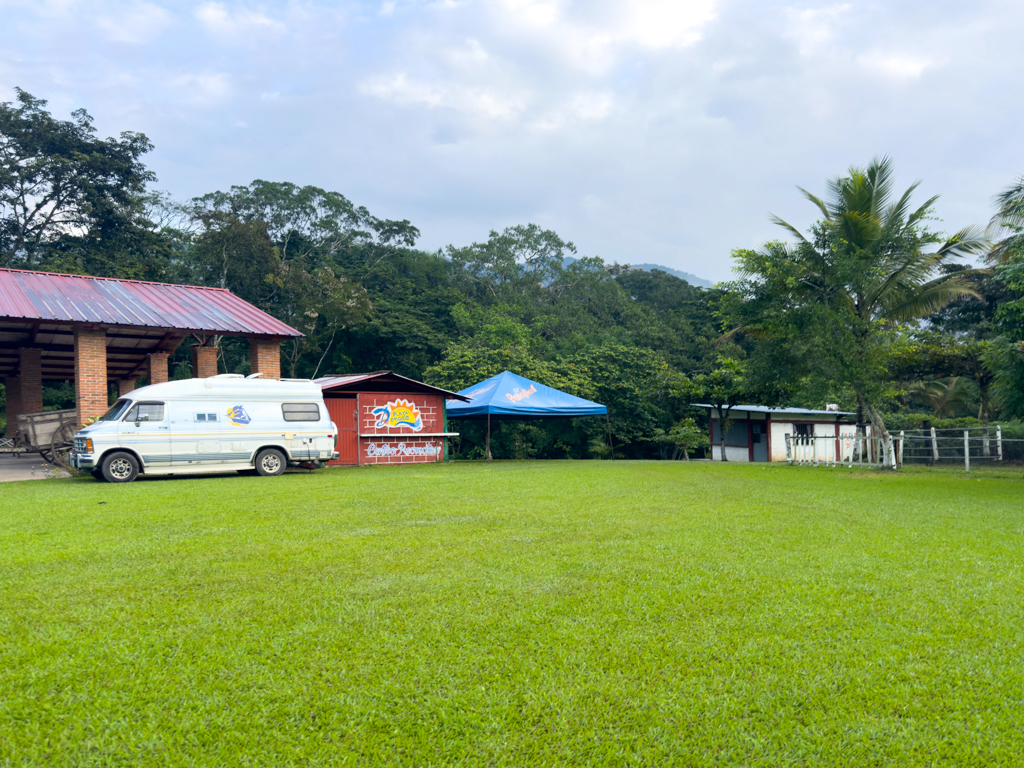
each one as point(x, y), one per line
point(137, 23)
point(480, 102)
point(237, 22)
point(206, 88)
point(814, 29)
point(896, 67)
point(580, 108)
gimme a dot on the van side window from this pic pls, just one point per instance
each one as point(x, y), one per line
point(206, 417)
point(300, 411)
point(146, 412)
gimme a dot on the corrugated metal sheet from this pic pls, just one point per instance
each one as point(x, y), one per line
point(343, 383)
point(103, 301)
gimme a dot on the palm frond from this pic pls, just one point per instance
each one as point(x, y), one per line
point(879, 174)
point(818, 202)
point(897, 212)
point(930, 300)
point(966, 242)
point(793, 230)
point(922, 211)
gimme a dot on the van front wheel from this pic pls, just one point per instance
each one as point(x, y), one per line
point(120, 468)
point(270, 462)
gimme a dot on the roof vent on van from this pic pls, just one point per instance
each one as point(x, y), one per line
point(228, 376)
point(254, 375)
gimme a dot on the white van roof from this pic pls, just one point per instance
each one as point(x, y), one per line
point(228, 387)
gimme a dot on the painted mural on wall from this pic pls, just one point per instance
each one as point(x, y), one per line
point(399, 413)
point(374, 450)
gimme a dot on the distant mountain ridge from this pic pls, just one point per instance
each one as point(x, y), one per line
point(691, 279)
point(700, 282)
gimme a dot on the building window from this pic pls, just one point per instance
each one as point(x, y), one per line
point(803, 430)
point(736, 435)
point(301, 411)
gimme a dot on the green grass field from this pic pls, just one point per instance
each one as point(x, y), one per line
point(521, 614)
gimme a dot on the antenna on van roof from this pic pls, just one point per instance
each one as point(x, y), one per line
point(254, 375)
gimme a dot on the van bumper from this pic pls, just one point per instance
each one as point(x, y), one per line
point(82, 461)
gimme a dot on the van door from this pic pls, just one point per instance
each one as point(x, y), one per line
point(146, 430)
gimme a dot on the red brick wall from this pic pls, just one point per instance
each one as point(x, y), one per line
point(158, 367)
point(124, 386)
point(12, 386)
point(387, 440)
point(31, 380)
point(90, 374)
point(265, 357)
point(204, 362)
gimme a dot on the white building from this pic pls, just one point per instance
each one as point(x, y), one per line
point(758, 433)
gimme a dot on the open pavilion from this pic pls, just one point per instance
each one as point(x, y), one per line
point(95, 330)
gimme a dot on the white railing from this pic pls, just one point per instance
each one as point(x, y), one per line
point(843, 450)
point(934, 446)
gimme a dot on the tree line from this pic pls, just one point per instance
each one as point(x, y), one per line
point(872, 308)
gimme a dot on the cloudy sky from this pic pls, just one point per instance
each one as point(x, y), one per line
point(644, 130)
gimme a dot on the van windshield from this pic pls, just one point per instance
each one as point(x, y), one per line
point(116, 411)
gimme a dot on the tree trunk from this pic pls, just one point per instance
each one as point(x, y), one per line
point(884, 438)
point(722, 418)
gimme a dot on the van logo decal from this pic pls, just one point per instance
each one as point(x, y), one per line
point(398, 413)
point(238, 416)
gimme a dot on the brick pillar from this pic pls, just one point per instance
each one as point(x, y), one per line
point(124, 386)
point(265, 357)
point(90, 374)
point(31, 380)
point(204, 361)
point(158, 367)
point(12, 388)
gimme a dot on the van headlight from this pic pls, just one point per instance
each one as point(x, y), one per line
point(88, 445)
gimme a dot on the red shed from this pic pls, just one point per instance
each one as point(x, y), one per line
point(384, 418)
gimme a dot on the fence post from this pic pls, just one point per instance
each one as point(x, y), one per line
point(967, 451)
point(935, 446)
point(899, 458)
point(789, 453)
point(999, 442)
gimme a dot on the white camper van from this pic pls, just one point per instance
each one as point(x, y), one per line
point(218, 424)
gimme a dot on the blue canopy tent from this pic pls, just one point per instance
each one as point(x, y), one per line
point(507, 396)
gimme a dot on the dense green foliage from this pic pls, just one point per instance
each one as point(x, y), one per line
point(524, 613)
point(869, 310)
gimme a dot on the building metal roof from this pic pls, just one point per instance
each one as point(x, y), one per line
point(779, 411)
point(82, 300)
point(382, 381)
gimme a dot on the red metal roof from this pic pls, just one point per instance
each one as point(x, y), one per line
point(80, 299)
point(345, 383)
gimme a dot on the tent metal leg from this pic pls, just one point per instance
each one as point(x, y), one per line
point(611, 443)
point(488, 437)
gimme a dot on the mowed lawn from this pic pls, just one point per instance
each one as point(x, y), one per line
point(526, 613)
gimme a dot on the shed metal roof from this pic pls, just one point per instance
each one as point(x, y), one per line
point(347, 382)
point(79, 299)
point(783, 411)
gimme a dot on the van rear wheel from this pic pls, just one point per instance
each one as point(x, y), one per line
point(270, 462)
point(120, 467)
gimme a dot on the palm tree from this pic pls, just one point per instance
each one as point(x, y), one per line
point(1008, 224)
point(870, 263)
